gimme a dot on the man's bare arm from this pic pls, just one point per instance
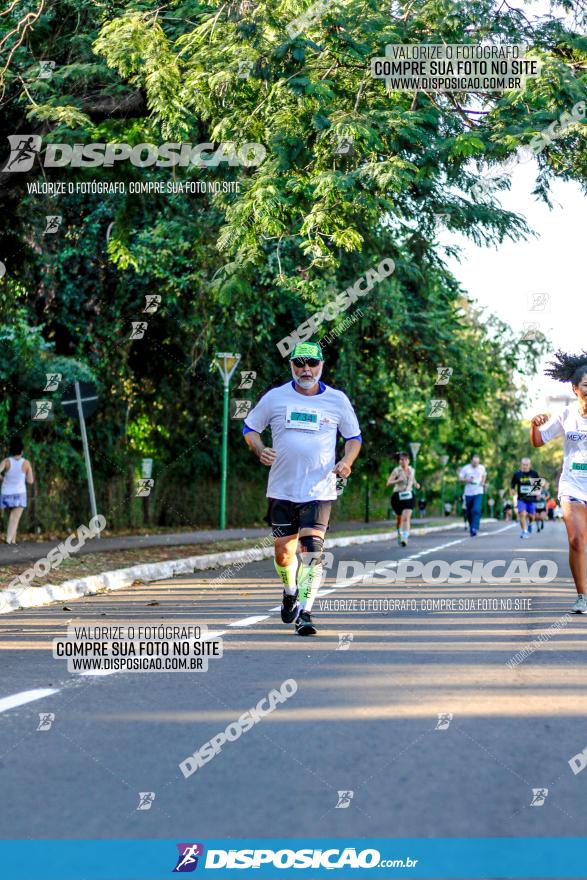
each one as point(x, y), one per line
point(345, 465)
point(265, 454)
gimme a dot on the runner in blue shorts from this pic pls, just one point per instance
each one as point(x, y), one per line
point(527, 484)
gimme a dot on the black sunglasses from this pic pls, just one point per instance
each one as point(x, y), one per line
point(311, 362)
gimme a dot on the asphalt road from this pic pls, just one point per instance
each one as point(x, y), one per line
point(364, 718)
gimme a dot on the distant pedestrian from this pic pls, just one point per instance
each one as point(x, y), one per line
point(473, 475)
point(16, 472)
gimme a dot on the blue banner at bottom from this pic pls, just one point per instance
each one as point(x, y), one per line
point(497, 857)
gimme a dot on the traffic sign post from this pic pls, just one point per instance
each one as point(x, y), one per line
point(81, 400)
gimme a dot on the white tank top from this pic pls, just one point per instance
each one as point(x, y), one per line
point(14, 482)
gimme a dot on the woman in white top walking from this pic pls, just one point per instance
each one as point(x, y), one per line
point(571, 424)
point(16, 472)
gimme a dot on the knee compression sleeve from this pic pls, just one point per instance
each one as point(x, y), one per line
point(310, 571)
point(312, 544)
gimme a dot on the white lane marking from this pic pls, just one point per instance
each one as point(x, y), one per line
point(249, 621)
point(392, 564)
point(496, 532)
point(98, 672)
point(434, 549)
point(26, 697)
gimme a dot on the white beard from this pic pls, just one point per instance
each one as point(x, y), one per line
point(306, 384)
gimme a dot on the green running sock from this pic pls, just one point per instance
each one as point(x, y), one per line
point(287, 574)
point(309, 580)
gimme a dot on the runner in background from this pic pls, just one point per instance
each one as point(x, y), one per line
point(571, 424)
point(17, 472)
point(422, 504)
point(473, 475)
point(527, 485)
point(403, 479)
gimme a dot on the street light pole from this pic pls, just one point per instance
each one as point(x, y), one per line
point(224, 469)
point(226, 363)
point(82, 425)
point(443, 462)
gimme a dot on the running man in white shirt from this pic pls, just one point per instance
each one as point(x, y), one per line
point(473, 475)
point(571, 424)
point(305, 416)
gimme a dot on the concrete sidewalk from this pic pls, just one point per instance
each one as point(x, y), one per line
point(30, 551)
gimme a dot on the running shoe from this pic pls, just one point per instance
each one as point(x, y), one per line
point(404, 541)
point(473, 532)
point(289, 607)
point(524, 535)
point(304, 625)
point(529, 528)
point(580, 606)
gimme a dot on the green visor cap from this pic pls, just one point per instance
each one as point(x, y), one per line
point(307, 350)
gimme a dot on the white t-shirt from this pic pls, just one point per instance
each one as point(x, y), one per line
point(303, 431)
point(477, 473)
point(571, 425)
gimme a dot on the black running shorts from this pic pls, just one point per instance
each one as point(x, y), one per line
point(400, 504)
point(288, 517)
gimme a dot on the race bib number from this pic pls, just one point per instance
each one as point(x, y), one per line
point(579, 468)
point(404, 496)
point(302, 418)
point(524, 489)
